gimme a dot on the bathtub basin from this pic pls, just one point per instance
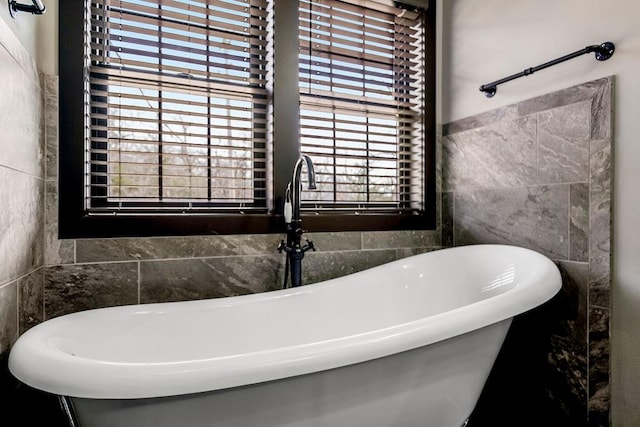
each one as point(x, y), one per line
point(408, 343)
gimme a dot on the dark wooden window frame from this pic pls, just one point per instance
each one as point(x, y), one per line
point(76, 222)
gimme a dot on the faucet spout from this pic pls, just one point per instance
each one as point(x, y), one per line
point(296, 183)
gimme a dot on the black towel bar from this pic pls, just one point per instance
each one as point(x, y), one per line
point(602, 53)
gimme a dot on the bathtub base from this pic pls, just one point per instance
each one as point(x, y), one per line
point(432, 386)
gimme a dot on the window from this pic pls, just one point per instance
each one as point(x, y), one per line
point(185, 102)
point(178, 105)
point(361, 105)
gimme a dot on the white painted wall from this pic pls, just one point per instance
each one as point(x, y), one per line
point(47, 38)
point(490, 39)
point(24, 27)
point(38, 34)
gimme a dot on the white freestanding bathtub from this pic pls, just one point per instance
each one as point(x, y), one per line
point(409, 343)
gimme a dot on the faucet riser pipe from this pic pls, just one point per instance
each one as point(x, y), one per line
point(295, 264)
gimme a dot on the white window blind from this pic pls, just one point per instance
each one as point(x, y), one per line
point(178, 104)
point(362, 104)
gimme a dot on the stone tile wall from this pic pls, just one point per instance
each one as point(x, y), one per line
point(107, 272)
point(537, 174)
point(21, 191)
point(21, 208)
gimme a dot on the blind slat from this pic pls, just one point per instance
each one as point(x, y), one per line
point(105, 76)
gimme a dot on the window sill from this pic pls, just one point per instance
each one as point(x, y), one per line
point(111, 226)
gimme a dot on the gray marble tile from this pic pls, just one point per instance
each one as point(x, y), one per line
point(400, 239)
point(566, 383)
point(21, 223)
point(15, 48)
point(601, 173)
point(51, 125)
point(71, 288)
point(602, 111)
point(532, 217)
point(500, 155)
point(20, 119)
point(571, 304)
point(8, 316)
point(563, 144)
point(579, 222)
point(31, 297)
point(600, 223)
point(436, 234)
point(122, 249)
point(599, 389)
point(439, 138)
point(407, 252)
point(578, 93)
point(56, 251)
point(320, 266)
point(508, 112)
point(339, 241)
point(191, 279)
point(563, 322)
point(448, 211)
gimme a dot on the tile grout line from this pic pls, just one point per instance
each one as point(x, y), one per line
point(139, 279)
point(569, 204)
point(44, 293)
point(453, 219)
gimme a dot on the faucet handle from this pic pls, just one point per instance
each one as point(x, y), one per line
point(308, 246)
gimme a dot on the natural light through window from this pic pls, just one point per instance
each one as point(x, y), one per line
point(361, 104)
point(187, 117)
point(178, 102)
